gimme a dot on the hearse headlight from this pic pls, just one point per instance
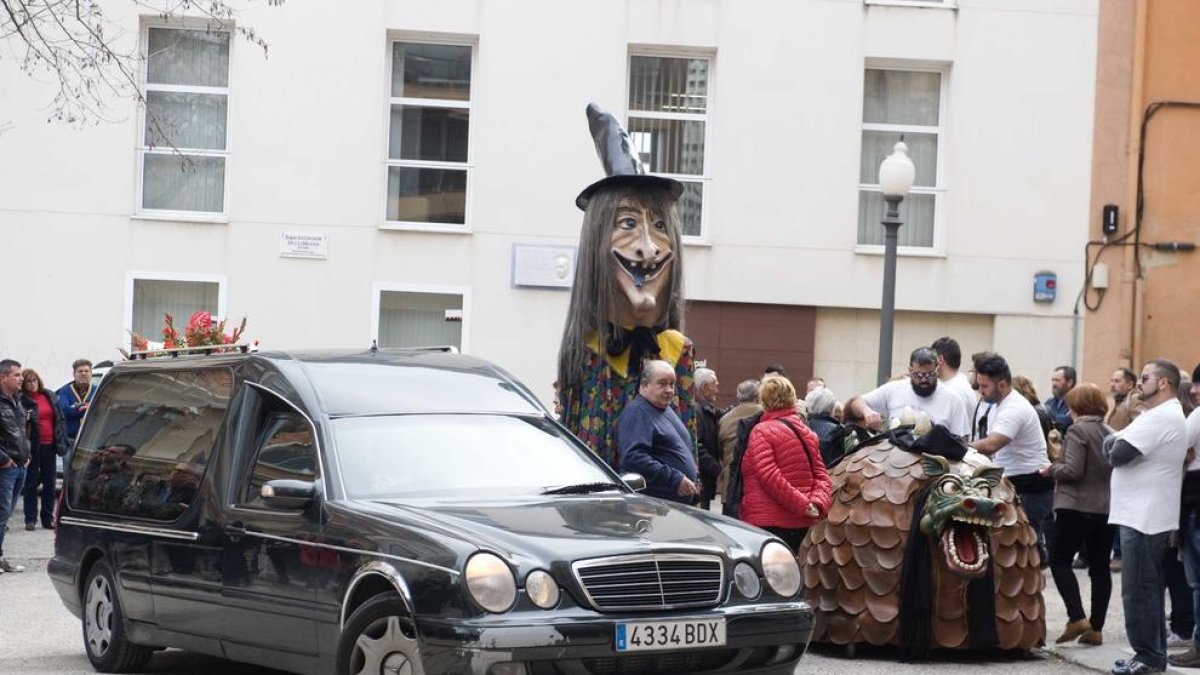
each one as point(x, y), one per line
point(491, 582)
point(746, 580)
point(542, 589)
point(780, 569)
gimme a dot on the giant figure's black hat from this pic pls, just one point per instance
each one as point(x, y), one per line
point(619, 159)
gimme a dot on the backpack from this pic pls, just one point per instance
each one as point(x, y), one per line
point(731, 501)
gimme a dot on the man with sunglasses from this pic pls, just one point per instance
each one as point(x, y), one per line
point(920, 393)
point(1147, 458)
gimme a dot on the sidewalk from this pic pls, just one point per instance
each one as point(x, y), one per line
point(1115, 645)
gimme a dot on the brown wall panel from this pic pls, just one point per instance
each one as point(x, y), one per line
point(739, 339)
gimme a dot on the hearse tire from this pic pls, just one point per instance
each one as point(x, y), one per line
point(109, 650)
point(380, 636)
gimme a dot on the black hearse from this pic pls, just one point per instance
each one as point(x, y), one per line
point(393, 511)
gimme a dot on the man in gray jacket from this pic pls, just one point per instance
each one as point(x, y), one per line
point(14, 449)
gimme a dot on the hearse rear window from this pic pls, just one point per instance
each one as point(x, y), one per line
point(147, 441)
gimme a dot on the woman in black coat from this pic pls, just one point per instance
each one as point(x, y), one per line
point(47, 441)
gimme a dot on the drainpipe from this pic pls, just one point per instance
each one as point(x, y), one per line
point(1133, 295)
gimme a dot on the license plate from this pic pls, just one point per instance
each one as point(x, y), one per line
point(646, 635)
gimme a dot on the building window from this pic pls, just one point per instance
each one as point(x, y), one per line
point(901, 104)
point(184, 149)
point(668, 123)
point(152, 297)
point(420, 319)
point(430, 114)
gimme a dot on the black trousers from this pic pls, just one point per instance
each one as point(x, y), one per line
point(43, 471)
point(1072, 530)
point(791, 537)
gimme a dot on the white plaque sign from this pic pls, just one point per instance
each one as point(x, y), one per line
point(543, 266)
point(301, 245)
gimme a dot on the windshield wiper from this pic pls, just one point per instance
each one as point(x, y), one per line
point(580, 489)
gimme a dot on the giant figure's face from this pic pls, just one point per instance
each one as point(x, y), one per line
point(959, 513)
point(642, 259)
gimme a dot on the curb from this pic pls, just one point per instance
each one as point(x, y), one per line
point(1101, 658)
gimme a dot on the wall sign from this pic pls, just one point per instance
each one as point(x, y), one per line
point(301, 245)
point(543, 266)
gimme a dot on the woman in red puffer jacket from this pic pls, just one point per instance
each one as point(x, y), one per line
point(786, 486)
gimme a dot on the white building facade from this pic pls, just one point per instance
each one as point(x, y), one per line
point(406, 171)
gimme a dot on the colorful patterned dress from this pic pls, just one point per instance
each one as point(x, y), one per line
point(591, 409)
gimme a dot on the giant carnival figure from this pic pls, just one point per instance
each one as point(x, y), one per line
point(627, 300)
point(925, 547)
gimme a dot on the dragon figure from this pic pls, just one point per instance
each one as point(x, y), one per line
point(923, 551)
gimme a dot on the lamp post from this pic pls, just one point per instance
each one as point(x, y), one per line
point(896, 175)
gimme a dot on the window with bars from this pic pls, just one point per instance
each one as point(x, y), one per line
point(430, 114)
point(152, 298)
point(668, 123)
point(901, 104)
point(184, 145)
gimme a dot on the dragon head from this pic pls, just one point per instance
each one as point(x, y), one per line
point(959, 512)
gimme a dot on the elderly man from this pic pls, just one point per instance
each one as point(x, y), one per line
point(653, 441)
point(14, 449)
point(747, 407)
point(708, 444)
point(75, 396)
point(1147, 457)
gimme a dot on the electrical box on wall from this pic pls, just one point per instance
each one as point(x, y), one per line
point(1045, 286)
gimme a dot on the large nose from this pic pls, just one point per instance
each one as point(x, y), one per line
point(645, 247)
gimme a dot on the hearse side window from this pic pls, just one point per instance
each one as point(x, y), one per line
point(286, 449)
point(147, 440)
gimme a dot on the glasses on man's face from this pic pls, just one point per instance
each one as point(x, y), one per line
point(925, 376)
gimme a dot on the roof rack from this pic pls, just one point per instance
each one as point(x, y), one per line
point(205, 350)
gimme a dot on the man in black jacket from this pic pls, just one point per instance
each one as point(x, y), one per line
point(14, 448)
point(708, 449)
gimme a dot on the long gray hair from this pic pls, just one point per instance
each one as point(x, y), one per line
point(594, 294)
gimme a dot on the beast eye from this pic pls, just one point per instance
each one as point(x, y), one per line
point(950, 488)
point(985, 490)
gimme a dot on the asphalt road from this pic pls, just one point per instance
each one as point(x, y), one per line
point(41, 637)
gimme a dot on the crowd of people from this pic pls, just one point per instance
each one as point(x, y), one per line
point(1109, 481)
point(37, 426)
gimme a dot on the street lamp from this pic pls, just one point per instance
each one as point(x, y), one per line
point(896, 174)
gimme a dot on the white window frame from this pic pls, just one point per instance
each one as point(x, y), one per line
point(432, 39)
point(705, 179)
point(937, 246)
point(924, 4)
point(142, 149)
point(380, 287)
point(143, 275)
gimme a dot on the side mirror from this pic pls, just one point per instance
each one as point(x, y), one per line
point(288, 494)
point(635, 481)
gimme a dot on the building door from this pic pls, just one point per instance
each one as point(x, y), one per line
point(738, 340)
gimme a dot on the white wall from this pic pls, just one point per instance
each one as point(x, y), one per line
point(307, 135)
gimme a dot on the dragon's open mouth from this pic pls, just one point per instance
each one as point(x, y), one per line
point(642, 271)
point(965, 545)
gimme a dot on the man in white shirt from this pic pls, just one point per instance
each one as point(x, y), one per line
point(1189, 545)
point(920, 393)
point(1147, 458)
point(1014, 441)
point(949, 358)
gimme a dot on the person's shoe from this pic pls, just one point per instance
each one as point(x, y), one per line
point(1174, 641)
point(1092, 637)
point(30, 527)
point(1188, 659)
point(1073, 630)
point(1079, 563)
point(1133, 667)
point(1114, 565)
point(6, 566)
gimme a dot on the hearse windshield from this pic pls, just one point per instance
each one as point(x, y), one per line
point(459, 455)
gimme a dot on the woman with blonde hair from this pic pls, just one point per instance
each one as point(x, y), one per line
point(786, 485)
point(1081, 494)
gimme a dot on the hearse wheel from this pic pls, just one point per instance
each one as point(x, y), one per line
point(380, 637)
point(104, 626)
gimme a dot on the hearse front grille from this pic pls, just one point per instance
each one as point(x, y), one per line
point(652, 581)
